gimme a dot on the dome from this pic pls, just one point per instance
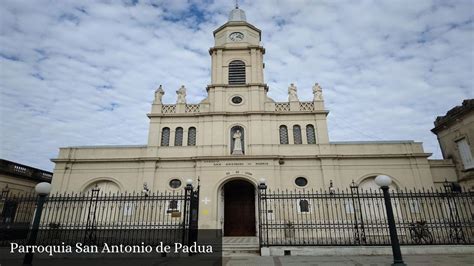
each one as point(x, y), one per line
point(237, 15)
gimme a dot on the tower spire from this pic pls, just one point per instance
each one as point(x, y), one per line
point(237, 14)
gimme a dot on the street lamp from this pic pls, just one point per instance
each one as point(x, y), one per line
point(384, 182)
point(189, 182)
point(42, 189)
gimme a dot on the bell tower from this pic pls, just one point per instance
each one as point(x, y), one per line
point(237, 66)
point(237, 40)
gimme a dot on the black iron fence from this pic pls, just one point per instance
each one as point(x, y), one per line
point(307, 217)
point(355, 217)
point(97, 217)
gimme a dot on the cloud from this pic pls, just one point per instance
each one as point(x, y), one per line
point(84, 73)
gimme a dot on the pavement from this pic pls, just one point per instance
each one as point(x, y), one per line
point(411, 260)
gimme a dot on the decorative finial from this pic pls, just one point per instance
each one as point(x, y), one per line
point(236, 4)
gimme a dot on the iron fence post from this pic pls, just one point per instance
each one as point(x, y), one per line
point(360, 233)
point(35, 227)
point(456, 232)
point(193, 216)
point(397, 254)
point(188, 189)
point(90, 234)
point(4, 206)
point(5, 192)
point(262, 187)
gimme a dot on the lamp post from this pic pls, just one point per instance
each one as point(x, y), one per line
point(383, 182)
point(42, 189)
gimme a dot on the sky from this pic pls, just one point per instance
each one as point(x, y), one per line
point(79, 73)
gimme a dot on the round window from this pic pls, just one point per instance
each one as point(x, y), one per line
point(175, 183)
point(236, 99)
point(301, 181)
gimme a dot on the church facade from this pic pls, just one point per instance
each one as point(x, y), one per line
point(238, 136)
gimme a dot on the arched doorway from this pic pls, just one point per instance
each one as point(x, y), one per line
point(239, 208)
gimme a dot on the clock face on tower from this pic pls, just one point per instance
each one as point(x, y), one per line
point(236, 36)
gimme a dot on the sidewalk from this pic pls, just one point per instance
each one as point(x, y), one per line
point(411, 260)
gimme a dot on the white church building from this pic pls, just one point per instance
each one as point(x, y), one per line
point(237, 136)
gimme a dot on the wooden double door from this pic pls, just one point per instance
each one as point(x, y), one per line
point(239, 209)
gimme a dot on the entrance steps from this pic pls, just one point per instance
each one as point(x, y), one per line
point(240, 246)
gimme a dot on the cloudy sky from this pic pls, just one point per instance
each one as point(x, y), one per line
point(84, 72)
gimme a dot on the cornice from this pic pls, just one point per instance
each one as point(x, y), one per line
point(237, 23)
point(244, 157)
point(223, 85)
point(228, 48)
point(325, 112)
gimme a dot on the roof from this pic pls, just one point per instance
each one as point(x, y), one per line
point(372, 142)
point(442, 122)
point(237, 18)
point(237, 14)
point(24, 171)
point(104, 146)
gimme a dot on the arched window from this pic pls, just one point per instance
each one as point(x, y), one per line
point(192, 136)
point(283, 135)
point(102, 186)
point(165, 136)
point(237, 73)
point(368, 185)
point(178, 137)
point(297, 134)
point(105, 216)
point(310, 134)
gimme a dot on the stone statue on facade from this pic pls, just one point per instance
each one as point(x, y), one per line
point(317, 92)
point(237, 137)
point(159, 95)
point(292, 93)
point(181, 95)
